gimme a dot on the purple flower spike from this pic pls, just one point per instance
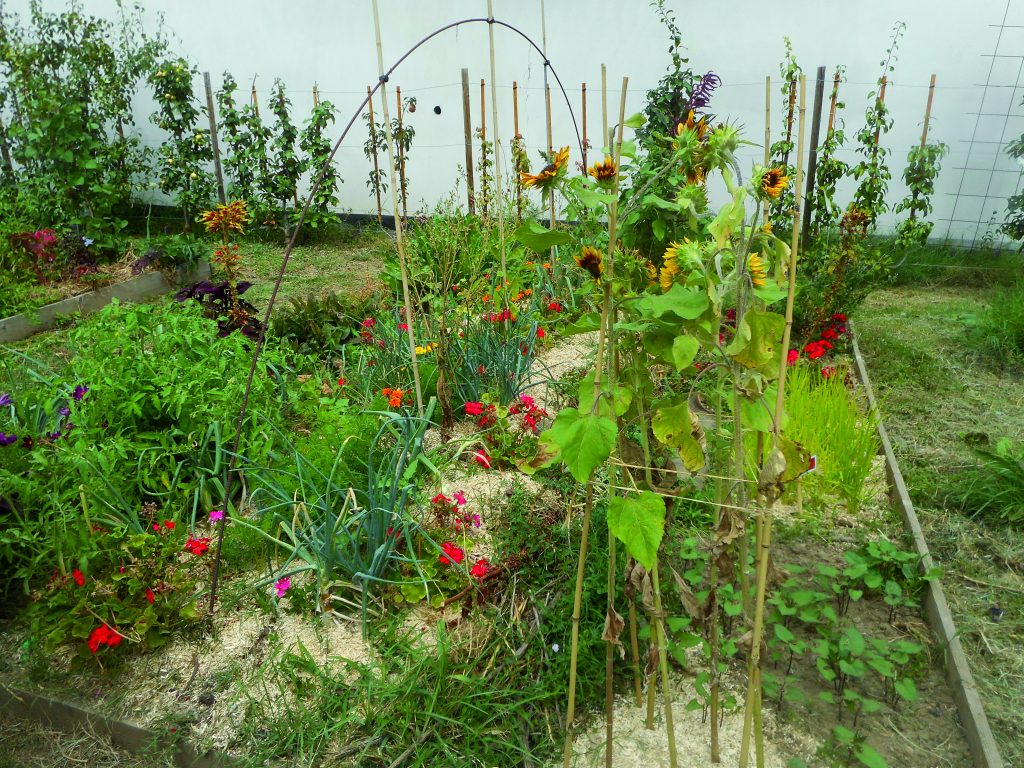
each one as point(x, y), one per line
point(5, 399)
point(7, 439)
point(80, 391)
point(701, 93)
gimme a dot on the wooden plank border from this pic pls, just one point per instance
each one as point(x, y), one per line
point(66, 717)
point(984, 751)
point(18, 327)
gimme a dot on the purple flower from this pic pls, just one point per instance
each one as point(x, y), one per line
point(64, 411)
point(282, 586)
point(7, 439)
point(5, 399)
point(80, 391)
point(701, 93)
point(216, 515)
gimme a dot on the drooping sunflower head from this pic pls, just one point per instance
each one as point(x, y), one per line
point(546, 177)
point(589, 259)
point(693, 123)
point(225, 219)
point(670, 266)
point(773, 182)
point(603, 172)
point(756, 269)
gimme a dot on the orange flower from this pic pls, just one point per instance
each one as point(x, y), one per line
point(774, 181)
point(691, 124)
point(225, 219)
point(394, 396)
point(548, 174)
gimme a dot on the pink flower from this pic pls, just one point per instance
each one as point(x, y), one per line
point(460, 498)
point(282, 586)
point(482, 459)
point(793, 356)
point(369, 322)
point(216, 515)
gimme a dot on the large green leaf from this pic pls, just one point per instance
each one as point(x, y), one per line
point(639, 523)
point(684, 302)
point(621, 401)
point(539, 238)
point(585, 440)
point(684, 349)
point(757, 340)
point(673, 426)
point(869, 758)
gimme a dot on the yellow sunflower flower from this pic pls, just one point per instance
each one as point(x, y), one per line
point(692, 124)
point(547, 175)
point(225, 219)
point(589, 259)
point(603, 172)
point(670, 267)
point(774, 181)
point(757, 270)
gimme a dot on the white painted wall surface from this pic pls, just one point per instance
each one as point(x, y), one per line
point(332, 44)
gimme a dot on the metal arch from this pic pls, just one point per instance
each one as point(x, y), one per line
point(298, 226)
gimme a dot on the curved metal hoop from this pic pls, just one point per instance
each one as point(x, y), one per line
point(298, 226)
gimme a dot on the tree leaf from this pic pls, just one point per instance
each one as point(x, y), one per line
point(639, 523)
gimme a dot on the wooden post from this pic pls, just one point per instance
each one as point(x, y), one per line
point(498, 195)
point(214, 144)
point(767, 131)
point(467, 126)
point(399, 236)
point(483, 140)
point(401, 153)
point(255, 99)
point(376, 162)
point(584, 129)
point(812, 160)
point(880, 102)
point(928, 112)
point(789, 119)
point(832, 107)
point(316, 96)
point(520, 147)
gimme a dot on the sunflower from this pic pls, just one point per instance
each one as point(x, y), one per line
point(589, 260)
point(773, 181)
point(225, 219)
point(697, 176)
point(603, 172)
point(548, 173)
point(756, 268)
point(692, 124)
point(670, 267)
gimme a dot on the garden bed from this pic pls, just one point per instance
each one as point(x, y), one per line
point(85, 298)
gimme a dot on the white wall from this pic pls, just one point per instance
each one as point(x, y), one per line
point(332, 44)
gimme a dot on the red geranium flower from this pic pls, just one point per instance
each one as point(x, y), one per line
point(197, 546)
point(839, 316)
point(540, 333)
point(79, 577)
point(793, 356)
point(474, 409)
point(150, 597)
point(482, 459)
point(814, 350)
point(829, 333)
point(341, 381)
point(452, 554)
point(828, 371)
point(169, 525)
point(554, 306)
point(480, 569)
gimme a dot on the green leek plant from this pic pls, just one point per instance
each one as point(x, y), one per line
point(345, 537)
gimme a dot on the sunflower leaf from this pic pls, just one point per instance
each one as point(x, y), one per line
point(539, 238)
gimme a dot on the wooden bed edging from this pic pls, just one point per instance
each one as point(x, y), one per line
point(132, 738)
point(18, 327)
point(984, 751)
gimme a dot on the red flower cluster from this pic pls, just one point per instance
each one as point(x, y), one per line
point(79, 577)
point(832, 332)
point(501, 317)
point(451, 510)
point(453, 555)
point(554, 306)
point(527, 407)
point(197, 546)
point(480, 569)
point(168, 526)
point(487, 414)
point(103, 635)
point(395, 396)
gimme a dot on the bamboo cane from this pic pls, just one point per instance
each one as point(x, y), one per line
point(764, 550)
point(666, 688)
point(878, 105)
point(376, 162)
point(767, 129)
point(789, 119)
point(551, 157)
point(581, 563)
point(518, 138)
point(399, 238)
point(928, 112)
point(584, 90)
point(214, 143)
point(832, 105)
point(495, 144)
point(484, 194)
point(401, 153)
point(255, 99)
point(467, 126)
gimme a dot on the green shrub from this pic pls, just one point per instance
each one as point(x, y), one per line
point(998, 330)
point(828, 422)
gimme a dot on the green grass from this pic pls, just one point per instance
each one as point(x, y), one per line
point(350, 265)
point(938, 398)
